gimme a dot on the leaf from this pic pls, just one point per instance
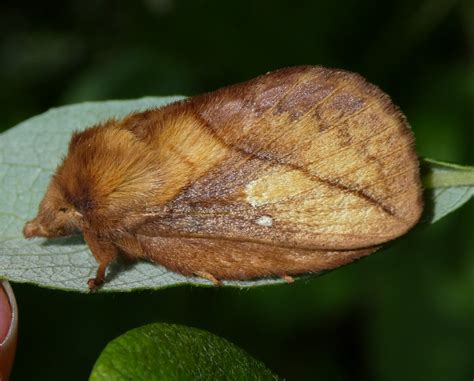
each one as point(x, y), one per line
point(172, 352)
point(29, 154)
point(447, 188)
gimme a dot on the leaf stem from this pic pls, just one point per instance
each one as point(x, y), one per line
point(442, 175)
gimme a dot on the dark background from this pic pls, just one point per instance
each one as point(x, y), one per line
point(404, 313)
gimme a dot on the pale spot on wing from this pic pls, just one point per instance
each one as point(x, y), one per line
point(265, 221)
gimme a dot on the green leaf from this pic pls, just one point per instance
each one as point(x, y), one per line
point(447, 187)
point(29, 154)
point(172, 352)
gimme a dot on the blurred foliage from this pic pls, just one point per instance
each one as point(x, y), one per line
point(405, 313)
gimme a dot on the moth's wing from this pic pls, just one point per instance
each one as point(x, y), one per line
point(316, 158)
point(224, 259)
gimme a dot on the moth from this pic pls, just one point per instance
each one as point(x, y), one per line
point(300, 170)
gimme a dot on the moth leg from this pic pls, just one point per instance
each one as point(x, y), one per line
point(287, 278)
point(208, 276)
point(104, 252)
point(95, 283)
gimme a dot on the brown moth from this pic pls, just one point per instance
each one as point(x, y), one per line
point(297, 171)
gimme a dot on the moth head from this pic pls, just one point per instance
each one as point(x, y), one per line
point(56, 217)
